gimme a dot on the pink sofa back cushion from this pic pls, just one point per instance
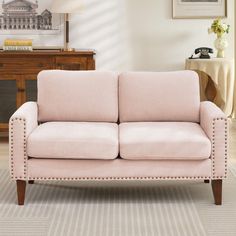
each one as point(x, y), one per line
point(159, 96)
point(78, 96)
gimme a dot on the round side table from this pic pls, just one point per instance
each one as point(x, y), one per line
point(216, 81)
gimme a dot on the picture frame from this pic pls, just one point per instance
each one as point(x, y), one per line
point(38, 23)
point(199, 9)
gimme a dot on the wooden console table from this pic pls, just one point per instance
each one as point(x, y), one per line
point(18, 74)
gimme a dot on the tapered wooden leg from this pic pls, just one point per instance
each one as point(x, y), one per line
point(217, 191)
point(21, 184)
point(31, 181)
point(206, 181)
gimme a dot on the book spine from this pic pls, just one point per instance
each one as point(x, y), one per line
point(17, 48)
point(9, 42)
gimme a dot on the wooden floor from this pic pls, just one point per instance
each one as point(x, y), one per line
point(232, 156)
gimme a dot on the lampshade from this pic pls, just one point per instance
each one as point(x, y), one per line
point(66, 6)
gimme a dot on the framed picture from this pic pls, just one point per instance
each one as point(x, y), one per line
point(31, 19)
point(199, 9)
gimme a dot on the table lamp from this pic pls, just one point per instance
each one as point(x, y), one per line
point(66, 7)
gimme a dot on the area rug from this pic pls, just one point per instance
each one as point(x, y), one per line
point(169, 208)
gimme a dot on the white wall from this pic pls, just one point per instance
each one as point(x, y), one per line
point(141, 34)
point(137, 34)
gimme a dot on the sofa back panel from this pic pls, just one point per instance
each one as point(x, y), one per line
point(159, 96)
point(78, 96)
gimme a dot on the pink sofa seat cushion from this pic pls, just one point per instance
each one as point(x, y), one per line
point(71, 140)
point(163, 140)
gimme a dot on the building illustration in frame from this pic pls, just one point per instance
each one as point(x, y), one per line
point(24, 15)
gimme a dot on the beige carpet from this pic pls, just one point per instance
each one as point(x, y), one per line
point(109, 209)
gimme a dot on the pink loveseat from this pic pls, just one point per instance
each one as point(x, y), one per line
point(105, 126)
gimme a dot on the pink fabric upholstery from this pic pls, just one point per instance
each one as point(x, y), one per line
point(163, 140)
point(78, 96)
point(74, 140)
point(118, 169)
point(158, 101)
point(159, 96)
point(21, 124)
point(215, 124)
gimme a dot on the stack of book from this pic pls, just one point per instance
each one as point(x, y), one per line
point(18, 45)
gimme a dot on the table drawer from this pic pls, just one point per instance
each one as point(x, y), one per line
point(71, 63)
point(26, 63)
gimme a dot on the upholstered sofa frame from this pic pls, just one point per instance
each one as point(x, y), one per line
point(120, 101)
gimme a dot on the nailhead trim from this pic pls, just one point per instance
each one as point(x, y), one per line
point(118, 178)
point(213, 148)
point(121, 178)
point(23, 121)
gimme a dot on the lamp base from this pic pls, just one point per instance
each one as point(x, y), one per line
point(67, 35)
point(68, 49)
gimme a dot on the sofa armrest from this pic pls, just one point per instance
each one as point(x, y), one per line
point(21, 124)
point(215, 124)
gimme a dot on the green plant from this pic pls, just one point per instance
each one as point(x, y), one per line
point(218, 27)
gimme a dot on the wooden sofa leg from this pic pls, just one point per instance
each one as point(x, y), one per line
point(21, 185)
point(206, 181)
point(31, 181)
point(217, 191)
